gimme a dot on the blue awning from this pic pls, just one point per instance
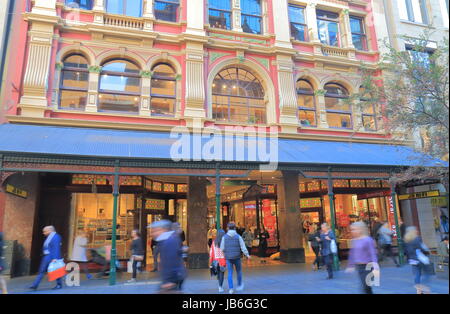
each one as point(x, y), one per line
point(121, 144)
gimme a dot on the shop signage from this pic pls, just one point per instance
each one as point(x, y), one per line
point(239, 182)
point(392, 216)
point(418, 195)
point(16, 191)
point(374, 195)
point(439, 201)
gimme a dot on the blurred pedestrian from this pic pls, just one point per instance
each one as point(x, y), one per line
point(417, 252)
point(315, 246)
point(248, 238)
point(232, 245)
point(443, 250)
point(173, 272)
point(79, 252)
point(217, 259)
point(326, 237)
point(212, 232)
point(2, 267)
point(51, 251)
point(155, 253)
point(363, 255)
point(180, 232)
point(137, 253)
point(385, 242)
point(263, 237)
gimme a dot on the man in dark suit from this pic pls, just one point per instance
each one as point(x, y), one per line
point(51, 251)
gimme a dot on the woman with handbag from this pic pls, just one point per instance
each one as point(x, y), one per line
point(217, 259)
point(417, 253)
point(328, 245)
point(137, 253)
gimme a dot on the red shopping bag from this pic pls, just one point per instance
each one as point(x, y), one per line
point(56, 269)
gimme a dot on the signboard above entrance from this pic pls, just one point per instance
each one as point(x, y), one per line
point(425, 194)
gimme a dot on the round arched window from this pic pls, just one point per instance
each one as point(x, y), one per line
point(163, 91)
point(120, 87)
point(238, 96)
point(74, 82)
point(306, 103)
point(339, 111)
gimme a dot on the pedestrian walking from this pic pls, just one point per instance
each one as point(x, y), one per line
point(443, 250)
point(212, 232)
point(51, 252)
point(2, 267)
point(180, 232)
point(248, 238)
point(137, 253)
point(79, 252)
point(263, 237)
point(173, 272)
point(363, 255)
point(315, 246)
point(232, 245)
point(155, 253)
point(326, 238)
point(385, 243)
point(417, 252)
point(217, 260)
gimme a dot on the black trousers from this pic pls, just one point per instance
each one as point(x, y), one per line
point(386, 250)
point(135, 263)
point(328, 260)
point(316, 250)
point(363, 275)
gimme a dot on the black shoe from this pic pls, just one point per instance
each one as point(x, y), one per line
point(154, 270)
point(329, 277)
point(32, 288)
point(57, 287)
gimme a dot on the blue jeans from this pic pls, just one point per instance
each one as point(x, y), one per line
point(46, 260)
point(236, 263)
point(418, 271)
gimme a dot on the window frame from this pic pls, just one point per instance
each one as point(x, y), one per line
point(305, 25)
point(63, 88)
point(252, 15)
point(177, 11)
point(411, 13)
point(230, 12)
point(363, 35)
point(120, 74)
point(373, 115)
point(124, 8)
point(67, 3)
point(161, 96)
point(247, 98)
point(329, 20)
point(342, 112)
point(300, 108)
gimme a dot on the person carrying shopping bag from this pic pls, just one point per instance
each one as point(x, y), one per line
point(217, 260)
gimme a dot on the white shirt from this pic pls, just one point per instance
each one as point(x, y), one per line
point(79, 250)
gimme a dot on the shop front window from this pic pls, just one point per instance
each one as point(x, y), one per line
point(74, 83)
point(358, 33)
point(251, 16)
point(220, 14)
point(306, 103)
point(167, 10)
point(339, 111)
point(238, 96)
point(80, 4)
point(299, 29)
point(163, 91)
point(328, 27)
point(120, 86)
point(125, 7)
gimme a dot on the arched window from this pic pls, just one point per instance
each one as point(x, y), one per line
point(251, 16)
point(120, 86)
point(125, 7)
point(339, 112)
point(163, 92)
point(167, 10)
point(74, 82)
point(80, 4)
point(306, 103)
point(368, 111)
point(238, 96)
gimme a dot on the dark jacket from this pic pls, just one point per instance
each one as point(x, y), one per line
point(312, 238)
point(172, 266)
point(137, 247)
point(326, 250)
point(263, 236)
point(413, 246)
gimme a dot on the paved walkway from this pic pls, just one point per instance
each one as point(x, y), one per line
point(271, 279)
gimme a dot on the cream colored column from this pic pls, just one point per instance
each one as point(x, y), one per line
point(195, 17)
point(94, 78)
point(313, 32)
point(347, 39)
point(287, 95)
point(321, 109)
point(281, 24)
point(99, 11)
point(236, 18)
point(146, 83)
point(149, 16)
point(34, 99)
point(195, 82)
